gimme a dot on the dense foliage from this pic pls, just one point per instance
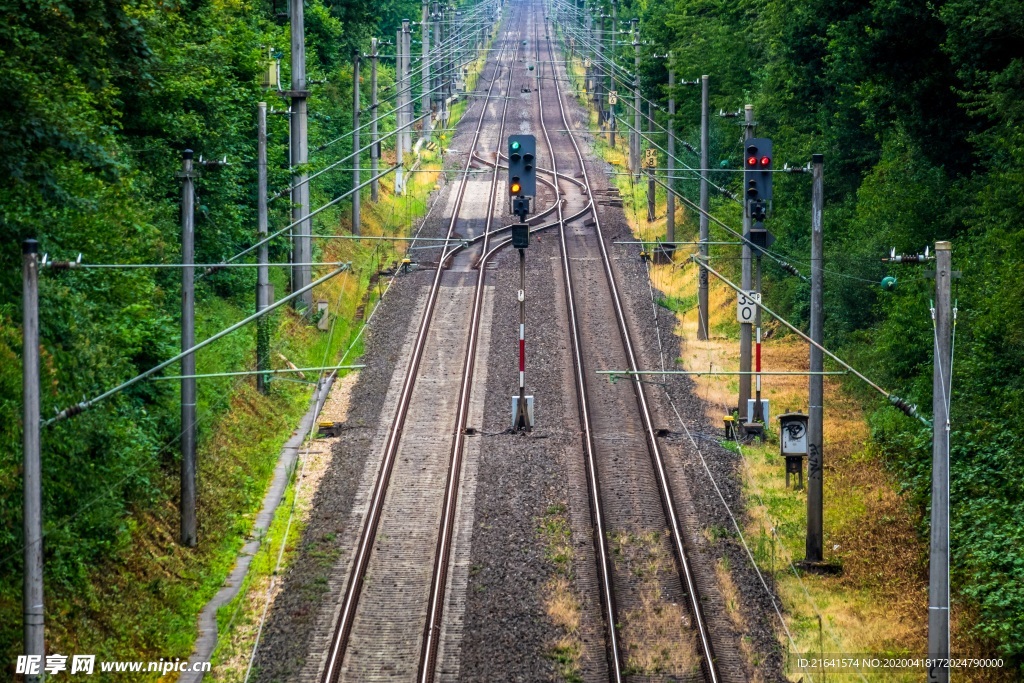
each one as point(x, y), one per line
point(101, 99)
point(917, 107)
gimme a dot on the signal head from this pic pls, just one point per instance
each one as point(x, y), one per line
point(751, 156)
point(757, 168)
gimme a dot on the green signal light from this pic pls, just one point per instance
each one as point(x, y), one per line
point(515, 146)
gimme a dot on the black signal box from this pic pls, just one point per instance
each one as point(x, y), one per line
point(520, 236)
point(522, 165)
point(757, 167)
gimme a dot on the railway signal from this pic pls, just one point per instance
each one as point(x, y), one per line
point(522, 185)
point(757, 164)
point(522, 172)
point(522, 176)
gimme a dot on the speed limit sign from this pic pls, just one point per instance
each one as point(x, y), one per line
point(613, 97)
point(746, 308)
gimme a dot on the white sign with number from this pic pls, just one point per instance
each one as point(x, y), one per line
point(613, 96)
point(746, 308)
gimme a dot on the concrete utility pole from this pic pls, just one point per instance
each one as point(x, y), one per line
point(599, 72)
point(670, 162)
point(188, 363)
point(357, 220)
point(436, 82)
point(425, 68)
point(938, 566)
point(585, 49)
point(634, 149)
point(374, 138)
point(399, 111)
point(816, 382)
point(400, 86)
point(745, 328)
point(651, 197)
point(705, 143)
point(458, 49)
point(612, 121)
point(407, 81)
point(32, 597)
point(302, 251)
point(262, 251)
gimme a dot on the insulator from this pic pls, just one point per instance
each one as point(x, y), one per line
point(909, 409)
point(791, 269)
point(75, 409)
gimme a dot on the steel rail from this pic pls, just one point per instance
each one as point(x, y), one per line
point(686, 570)
point(604, 563)
point(442, 553)
point(346, 617)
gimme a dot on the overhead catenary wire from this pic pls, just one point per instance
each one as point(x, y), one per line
point(414, 86)
point(629, 105)
point(308, 216)
point(86, 404)
point(910, 410)
point(696, 207)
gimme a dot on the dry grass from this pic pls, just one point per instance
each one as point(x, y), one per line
point(731, 596)
point(656, 634)
point(561, 597)
point(562, 605)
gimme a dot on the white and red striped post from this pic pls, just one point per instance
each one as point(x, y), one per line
point(522, 359)
point(758, 411)
point(522, 420)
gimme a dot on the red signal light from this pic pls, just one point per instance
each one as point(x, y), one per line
point(752, 161)
point(765, 161)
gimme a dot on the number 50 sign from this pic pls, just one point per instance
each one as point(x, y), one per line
point(746, 308)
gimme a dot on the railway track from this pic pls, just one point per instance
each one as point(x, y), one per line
point(377, 619)
point(384, 628)
point(609, 420)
